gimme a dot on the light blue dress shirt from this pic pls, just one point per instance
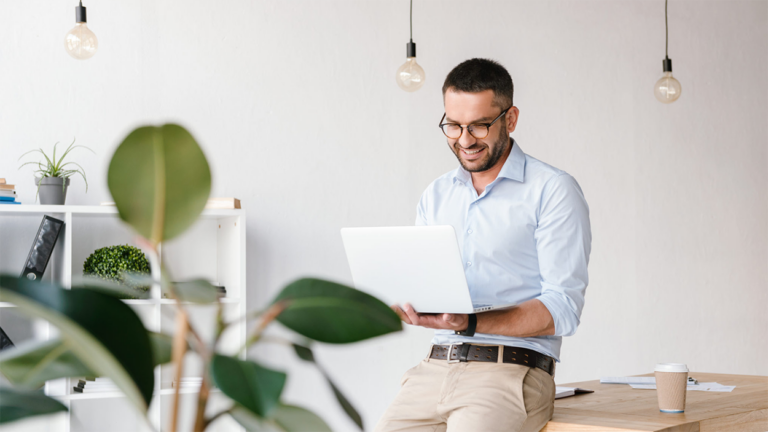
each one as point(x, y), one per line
point(527, 236)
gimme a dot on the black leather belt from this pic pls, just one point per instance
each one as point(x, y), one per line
point(483, 353)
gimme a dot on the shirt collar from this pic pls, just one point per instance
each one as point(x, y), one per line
point(513, 168)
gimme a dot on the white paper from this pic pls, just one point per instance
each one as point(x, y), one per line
point(627, 380)
point(710, 386)
point(632, 380)
point(643, 386)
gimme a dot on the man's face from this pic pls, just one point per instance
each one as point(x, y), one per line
point(477, 155)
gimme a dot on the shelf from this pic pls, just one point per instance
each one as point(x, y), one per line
point(213, 248)
point(118, 394)
point(95, 211)
point(225, 300)
point(139, 301)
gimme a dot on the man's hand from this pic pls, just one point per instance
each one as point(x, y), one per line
point(443, 321)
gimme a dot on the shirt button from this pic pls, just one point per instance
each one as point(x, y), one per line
point(469, 263)
point(469, 231)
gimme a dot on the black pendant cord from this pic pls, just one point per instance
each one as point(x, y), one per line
point(410, 47)
point(412, 20)
point(666, 63)
point(666, 24)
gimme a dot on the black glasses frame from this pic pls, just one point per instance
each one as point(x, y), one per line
point(487, 126)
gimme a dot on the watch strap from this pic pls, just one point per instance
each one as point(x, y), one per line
point(471, 326)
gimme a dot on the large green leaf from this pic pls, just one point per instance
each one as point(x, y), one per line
point(19, 404)
point(333, 313)
point(195, 291)
point(32, 364)
point(306, 354)
point(162, 346)
point(286, 418)
point(247, 383)
point(102, 331)
point(160, 181)
point(111, 287)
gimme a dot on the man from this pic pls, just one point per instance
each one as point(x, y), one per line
point(524, 233)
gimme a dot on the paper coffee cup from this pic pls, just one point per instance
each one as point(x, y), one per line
point(671, 386)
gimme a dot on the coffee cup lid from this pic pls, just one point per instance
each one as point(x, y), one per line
point(671, 367)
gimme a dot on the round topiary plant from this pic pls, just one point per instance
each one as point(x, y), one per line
point(112, 262)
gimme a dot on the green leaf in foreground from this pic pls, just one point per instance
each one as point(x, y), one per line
point(162, 346)
point(195, 291)
point(160, 181)
point(286, 418)
point(32, 364)
point(306, 354)
point(333, 313)
point(247, 383)
point(109, 337)
point(19, 404)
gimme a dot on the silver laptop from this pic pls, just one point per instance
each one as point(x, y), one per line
point(420, 265)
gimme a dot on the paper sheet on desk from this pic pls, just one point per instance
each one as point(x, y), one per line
point(710, 386)
point(632, 380)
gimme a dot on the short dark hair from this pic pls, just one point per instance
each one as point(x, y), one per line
point(477, 75)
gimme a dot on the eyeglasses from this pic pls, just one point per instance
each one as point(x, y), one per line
point(477, 130)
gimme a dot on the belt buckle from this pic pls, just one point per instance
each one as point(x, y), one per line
point(450, 350)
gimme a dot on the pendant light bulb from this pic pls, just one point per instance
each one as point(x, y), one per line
point(667, 89)
point(410, 76)
point(80, 42)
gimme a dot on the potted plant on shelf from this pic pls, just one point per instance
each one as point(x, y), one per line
point(52, 175)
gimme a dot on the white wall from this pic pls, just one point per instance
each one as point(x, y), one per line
point(296, 106)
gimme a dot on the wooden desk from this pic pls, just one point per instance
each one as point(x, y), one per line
point(620, 408)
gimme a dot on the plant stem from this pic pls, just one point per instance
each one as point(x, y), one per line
point(217, 415)
point(202, 397)
point(272, 313)
point(202, 401)
point(179, 349)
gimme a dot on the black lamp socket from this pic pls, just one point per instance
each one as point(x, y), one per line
point(667, 63)
point(411, 49)
point(80, 13)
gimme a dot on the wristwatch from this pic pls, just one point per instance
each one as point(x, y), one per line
point(470, 331)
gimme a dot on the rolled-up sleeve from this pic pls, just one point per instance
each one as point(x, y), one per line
point(563, 241)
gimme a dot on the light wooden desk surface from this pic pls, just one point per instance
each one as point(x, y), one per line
point(620, 408)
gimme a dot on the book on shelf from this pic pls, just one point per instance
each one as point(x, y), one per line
point(98, 385)
point(223, 203)
point(8, 194)
point(188, 382)
point(42, 248)
point(213, 203)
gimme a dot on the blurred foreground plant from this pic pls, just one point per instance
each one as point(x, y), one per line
point(160, 181)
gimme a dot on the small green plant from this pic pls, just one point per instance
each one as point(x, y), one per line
point(53, 167)
point(114, 263)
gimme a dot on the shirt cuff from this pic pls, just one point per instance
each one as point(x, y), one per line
point(565, 319)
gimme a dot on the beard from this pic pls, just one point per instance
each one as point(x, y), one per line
point(495, 151)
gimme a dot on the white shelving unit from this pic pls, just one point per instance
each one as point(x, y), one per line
point(213, 249)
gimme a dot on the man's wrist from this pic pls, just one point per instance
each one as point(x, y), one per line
point(471, 326)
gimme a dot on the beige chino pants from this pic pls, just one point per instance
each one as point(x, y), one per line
point(436, 396)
